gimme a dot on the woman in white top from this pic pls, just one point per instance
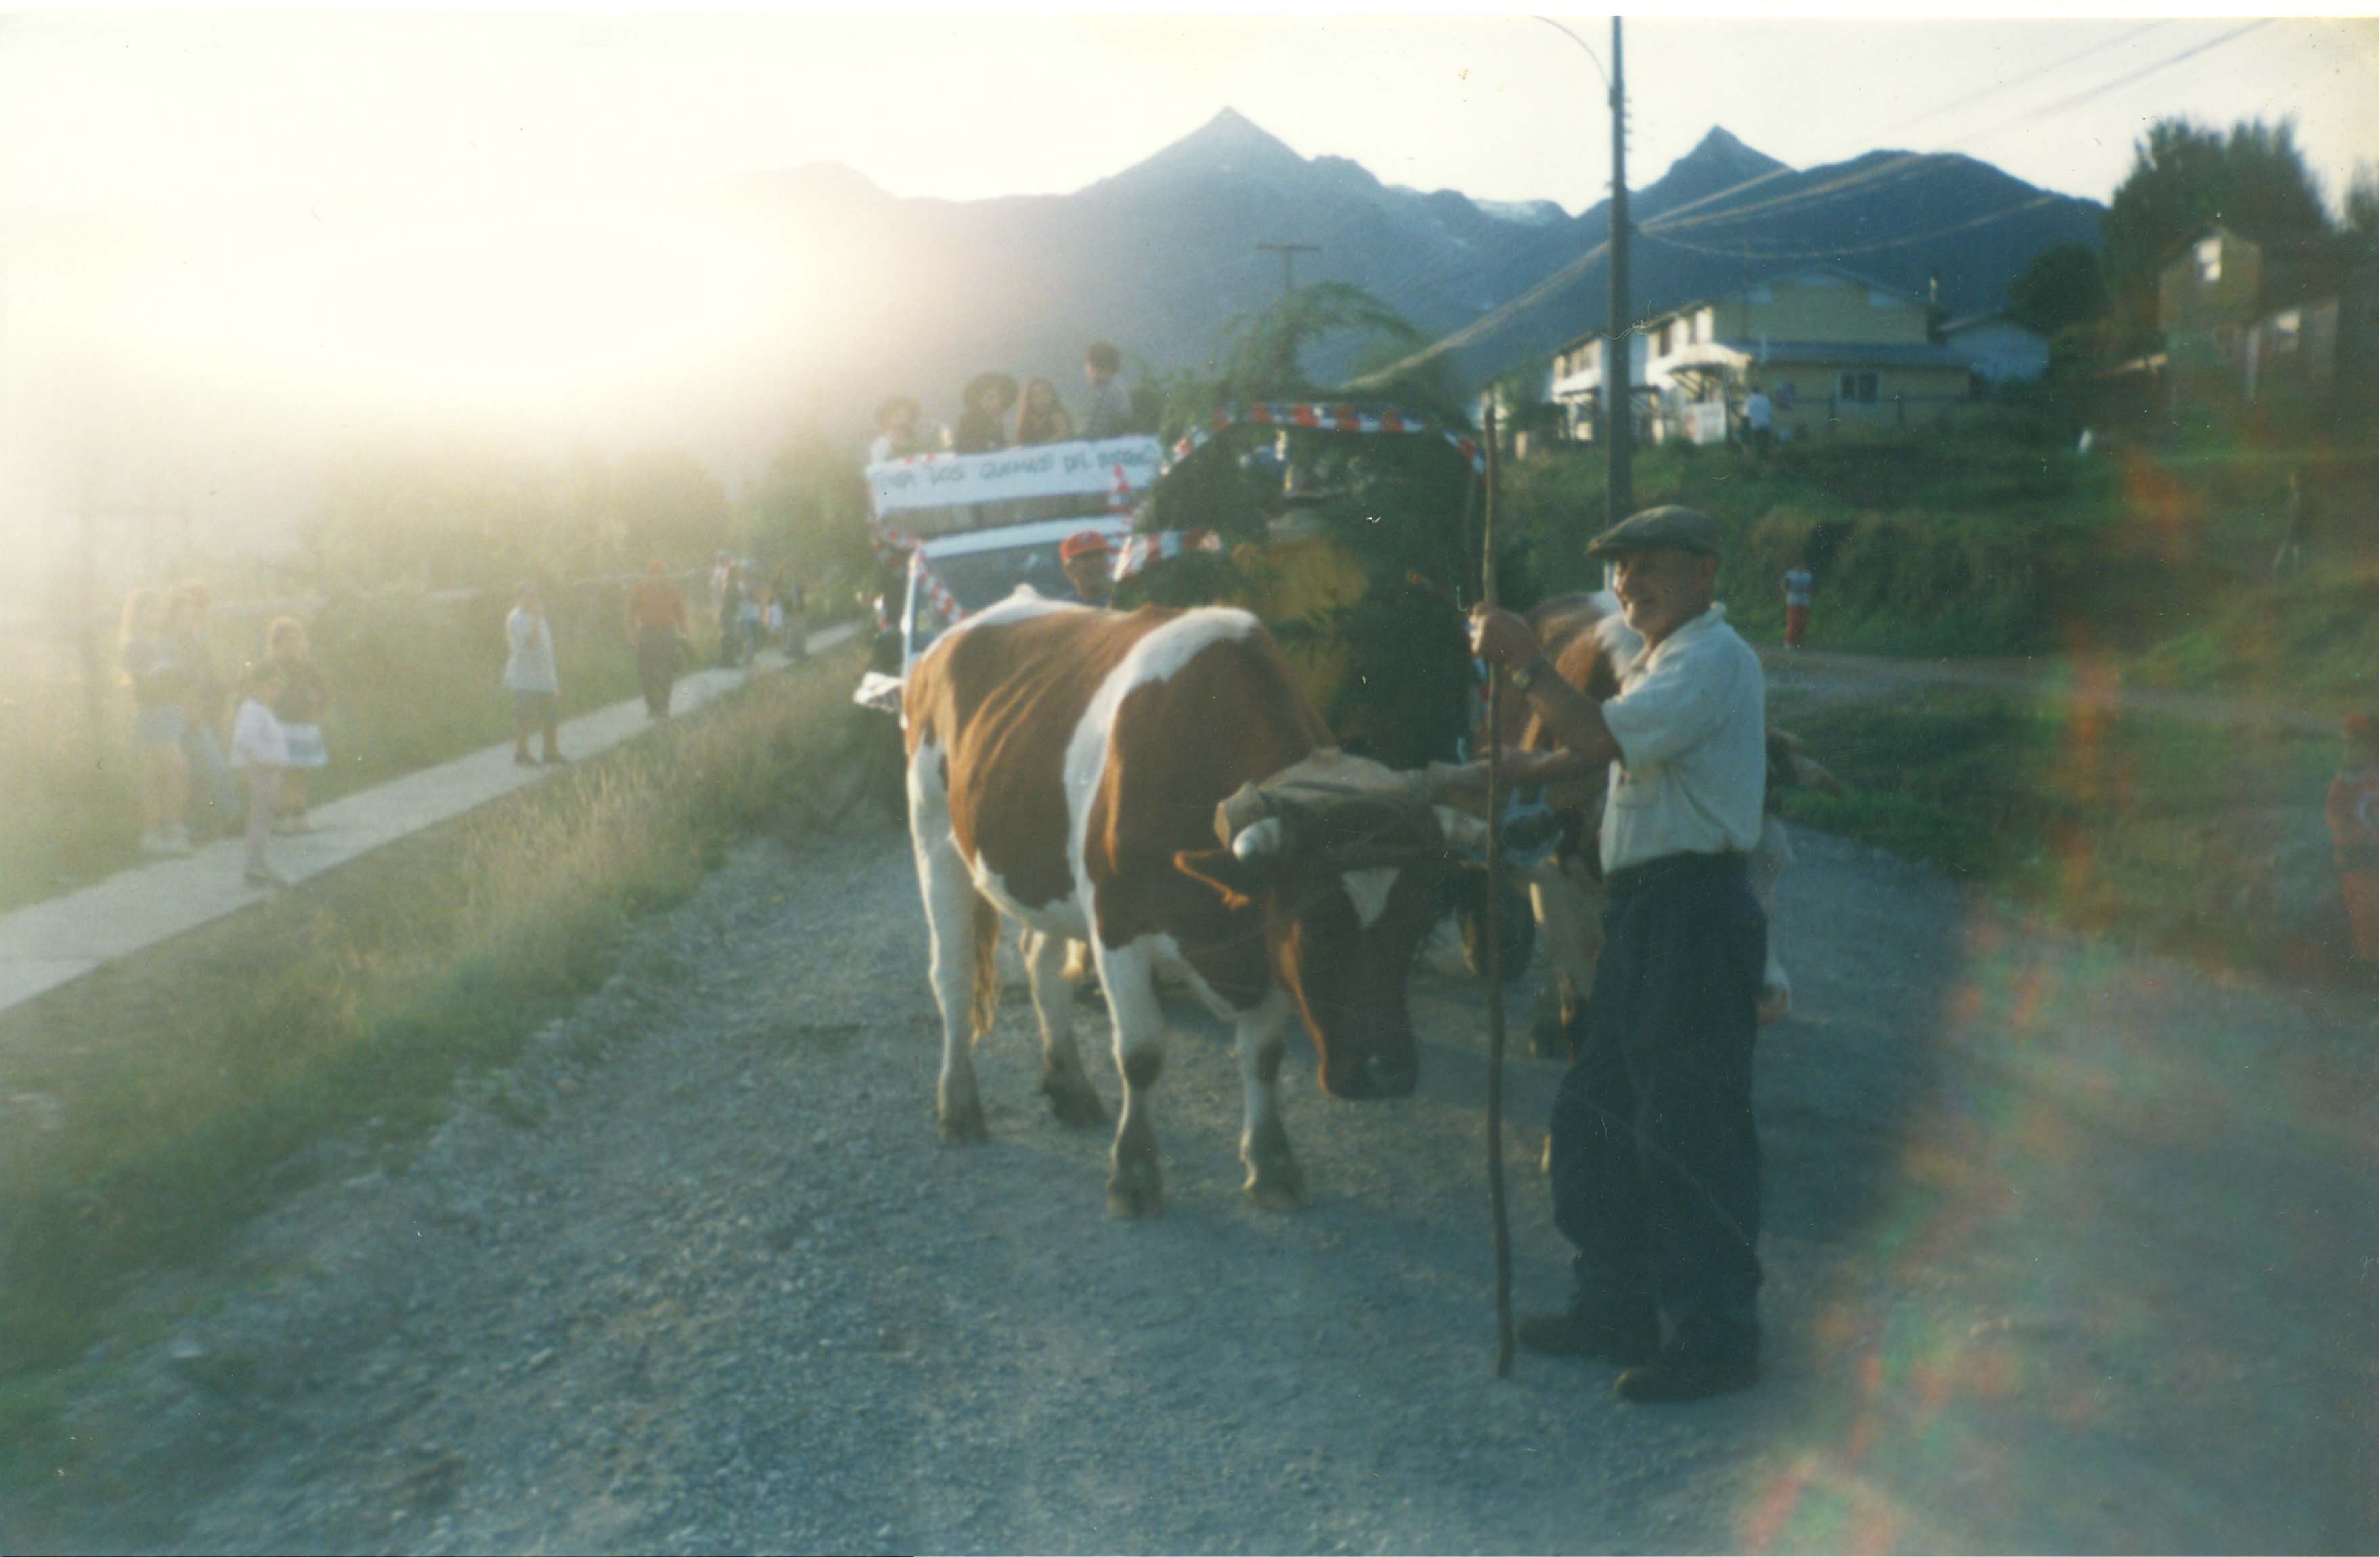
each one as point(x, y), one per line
point(531, 676)
point(260, 747)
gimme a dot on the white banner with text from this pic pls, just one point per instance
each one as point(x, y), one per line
point(1120, 468)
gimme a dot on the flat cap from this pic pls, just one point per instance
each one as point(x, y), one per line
point(1688, 529)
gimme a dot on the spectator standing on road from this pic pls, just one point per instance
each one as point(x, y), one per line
point(1108, 414)
point(731, 621)
point(1759, 420)
point(1039, 417)
point(532, 677)
point(1797, 603)
point(721, 566)
point(259, 748)
point(657, 623)
point(2353, 808)
point(160, 683)
point(1656, 1166)
point(755, 616)
point(215, 789)
point(299, 705)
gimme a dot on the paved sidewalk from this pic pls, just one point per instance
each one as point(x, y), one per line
point(48, 944)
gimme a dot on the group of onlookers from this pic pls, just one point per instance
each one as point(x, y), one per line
point(180, 702)
point(755, 612)
point(997, 414)
point(198, 740)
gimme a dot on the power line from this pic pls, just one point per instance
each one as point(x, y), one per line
point(2062, 105)
point(1766, 253)
point(2019, 80)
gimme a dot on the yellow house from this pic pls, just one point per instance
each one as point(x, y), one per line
point(1831, 348)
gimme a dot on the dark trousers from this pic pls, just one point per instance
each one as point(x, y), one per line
point(657, 652)
point(1655, 1166)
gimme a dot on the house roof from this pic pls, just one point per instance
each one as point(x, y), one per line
point(1773, 277)
point(1865, 354)
point(1951, 327)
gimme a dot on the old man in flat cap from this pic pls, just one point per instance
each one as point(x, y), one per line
point(1655, 1170)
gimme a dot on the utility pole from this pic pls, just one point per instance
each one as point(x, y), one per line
point(1619, 394)
point(1289, 253)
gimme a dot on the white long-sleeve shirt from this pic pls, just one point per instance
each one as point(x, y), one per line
point(1690, 722)
point(530, 667)
point(257, 738)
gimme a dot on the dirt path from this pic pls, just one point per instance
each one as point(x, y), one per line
point(1815, 673)
point(2068, 1250)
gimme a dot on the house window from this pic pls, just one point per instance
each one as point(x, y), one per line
point(2210, 261)
point(1857, 389)
point(1703, 325)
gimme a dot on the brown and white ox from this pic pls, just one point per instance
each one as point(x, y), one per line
point(1589, 643)
point(1065, 768)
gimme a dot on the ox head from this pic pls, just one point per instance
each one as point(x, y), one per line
point(1340, 855)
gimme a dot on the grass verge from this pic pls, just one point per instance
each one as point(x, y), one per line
point(147, 1106)
point(2198, 839)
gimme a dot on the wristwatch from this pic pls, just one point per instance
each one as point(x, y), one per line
point(1526, 676)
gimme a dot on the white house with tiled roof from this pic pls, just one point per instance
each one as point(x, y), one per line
point(1831, 347)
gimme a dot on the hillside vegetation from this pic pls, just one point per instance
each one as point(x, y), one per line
point(1999, 538)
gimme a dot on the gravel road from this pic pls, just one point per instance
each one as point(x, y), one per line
point(2068, 1249)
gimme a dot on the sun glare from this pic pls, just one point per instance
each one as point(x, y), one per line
point(545, 319)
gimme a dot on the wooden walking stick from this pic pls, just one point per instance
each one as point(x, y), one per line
point(1495, 926)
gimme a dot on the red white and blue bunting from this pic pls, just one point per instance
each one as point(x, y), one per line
point(1162, 546)
point(1320, 418)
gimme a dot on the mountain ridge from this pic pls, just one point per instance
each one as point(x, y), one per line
point(1160, 256)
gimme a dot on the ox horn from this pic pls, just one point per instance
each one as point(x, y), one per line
point(1259, 838)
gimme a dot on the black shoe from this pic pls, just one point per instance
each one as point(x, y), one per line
point(1624, 1341)
point(1677, 1374)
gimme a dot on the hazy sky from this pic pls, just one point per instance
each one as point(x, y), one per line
point(333, 218)
point(127, 110)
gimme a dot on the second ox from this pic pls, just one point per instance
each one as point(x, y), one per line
point(1588, 643)
point(1069, 769)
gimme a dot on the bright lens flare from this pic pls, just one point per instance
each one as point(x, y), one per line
point(536, 318)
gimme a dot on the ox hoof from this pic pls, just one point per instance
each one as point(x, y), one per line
point(1277, 1187)
point(963, 1123)
point(1074, 1104)
point(1136, 1195)
point(1776, 1003)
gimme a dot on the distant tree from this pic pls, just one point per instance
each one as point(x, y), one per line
point(1263, 355)
point(809, 511)
point(2363, 199)
point(2362, 212)
point(2063, 286)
